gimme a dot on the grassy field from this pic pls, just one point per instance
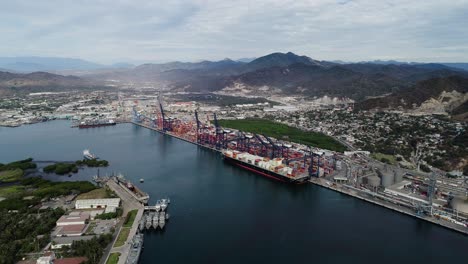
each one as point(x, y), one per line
point(94, 194)
point(130, 218)
point(10, 190)
point(113, 258)
point(11, 175)
point(122, 237)
point(384, 158)
point(281, 131)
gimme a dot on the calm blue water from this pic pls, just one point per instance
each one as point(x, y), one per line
point(222, 214)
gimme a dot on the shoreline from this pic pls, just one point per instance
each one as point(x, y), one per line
point(319, 182)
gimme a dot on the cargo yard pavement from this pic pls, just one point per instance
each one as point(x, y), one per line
point(129, 203)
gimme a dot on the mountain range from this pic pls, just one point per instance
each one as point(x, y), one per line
point(286, 73)
point(32, 64)
point(279, 73)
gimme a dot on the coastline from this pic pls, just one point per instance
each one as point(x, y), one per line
point(320, 182)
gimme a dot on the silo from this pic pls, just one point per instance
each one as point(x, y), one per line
point(459, 204)
point(386, 177)
point(373, 181)
point(398, 174)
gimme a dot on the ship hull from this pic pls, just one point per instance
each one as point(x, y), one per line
point(263, 172)
point(96, 125)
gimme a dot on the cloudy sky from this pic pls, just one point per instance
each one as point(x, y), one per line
point(191, 30)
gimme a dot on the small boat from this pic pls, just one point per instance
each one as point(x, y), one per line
point(167, 216)
point(163, 205)
point(162, 222)
point(149, 220)
point(142, 180)
point(155, 220)
point(158, 206)
point(142, 223)
point(88, 155)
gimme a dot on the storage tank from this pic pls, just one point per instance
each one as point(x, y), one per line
point(387, 177)
point(373, 181)
point(398, 174)
point(460, 204)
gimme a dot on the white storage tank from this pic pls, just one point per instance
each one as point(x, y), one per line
point(373, 181)
point(398, 174)
point(387, 178)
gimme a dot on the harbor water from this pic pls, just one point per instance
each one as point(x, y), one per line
point(223, 214)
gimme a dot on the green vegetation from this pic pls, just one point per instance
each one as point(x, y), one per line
point(122, 238)
point(14, 171)
point(92, 249)
point(385, 158)
point(130, 218)
point(25, 231)
point(106, 216)
point(11, 175)
point(66, 168)
point(10, 190)
point(281, 131)
point(113, 258)
point(61, 168)
point(92, 163)
point(97, 194)
point(21, 164)
point(425, 168)
point(39, 188)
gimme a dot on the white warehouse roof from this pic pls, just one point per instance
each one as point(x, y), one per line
point(97, 203)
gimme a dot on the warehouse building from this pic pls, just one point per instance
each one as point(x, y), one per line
point(73, 219)
point(109, 204)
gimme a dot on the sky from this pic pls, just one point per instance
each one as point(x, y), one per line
point(192, 30)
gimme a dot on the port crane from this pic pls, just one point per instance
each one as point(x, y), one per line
point(275, 149)
point(220, 134)
point(265, 145)
point(166, 122)
point(198, 127)
point(136, 115)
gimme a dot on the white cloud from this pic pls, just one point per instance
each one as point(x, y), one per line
point(107, 31)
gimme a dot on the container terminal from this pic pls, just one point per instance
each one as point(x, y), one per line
point(430, 197)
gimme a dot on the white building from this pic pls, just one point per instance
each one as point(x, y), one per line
point(74, 219)
point(109, 204)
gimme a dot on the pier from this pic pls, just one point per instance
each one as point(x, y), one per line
point(348, 190)
point(129, 202)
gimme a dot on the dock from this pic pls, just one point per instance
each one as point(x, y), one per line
point(344, 189)
point(129, 203)
point(356, 193)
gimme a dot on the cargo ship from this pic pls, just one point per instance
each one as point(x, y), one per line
point(132, 189)
point(270, 168)
point(96, 123)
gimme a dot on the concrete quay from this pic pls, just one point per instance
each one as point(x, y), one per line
point(129, 203)
point(348, 191)
point(401, 209)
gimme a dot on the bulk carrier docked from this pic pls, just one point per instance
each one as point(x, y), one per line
point(271, 168)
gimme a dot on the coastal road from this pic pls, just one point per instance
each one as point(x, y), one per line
point(129, 203)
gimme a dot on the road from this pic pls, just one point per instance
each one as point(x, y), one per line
point(129, 203)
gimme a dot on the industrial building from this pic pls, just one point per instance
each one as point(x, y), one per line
point(109, 204)
point(71, 230)
point(73, 219)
